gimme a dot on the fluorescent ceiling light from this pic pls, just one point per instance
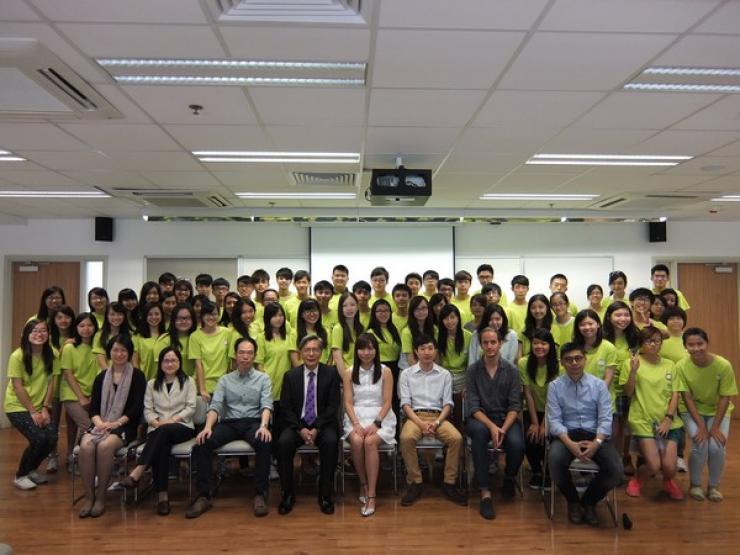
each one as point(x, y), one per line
point(606, 159)
point(687, 79)
point(7, 156)
point(537, 196)
point(54, 194)
point(727, 198)
point(157, 71)
point(277, 157)
point(297, 196)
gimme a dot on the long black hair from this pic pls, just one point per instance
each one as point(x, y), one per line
point(434, 300)
point(100, 292)
point(443, 333)
point(47, 356)
point(271, 310)
point(488, 313)
point(356, 328)
point(578, 336)
point(105, 331)
point(43, 313)
point(236, 316)
point(630, 332)
point(529, 323)
point(81, 317)
point(551, 361)
point(228, 317)
point(55, 334)
point(172, 331)
point(159, 378)
point(365, 340)
point(144, 328)
point(376, 327)
point(309, 304)
point(428, 326)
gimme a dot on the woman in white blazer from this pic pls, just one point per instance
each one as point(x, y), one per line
point(169, 406)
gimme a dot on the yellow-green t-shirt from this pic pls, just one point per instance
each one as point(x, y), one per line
point(563, 333)
point(673, 348)
point(707, 384)
point(163, 341)
point(390, 351)
point(599, 359)
point(407, 340)
point(337, 336)
point(291, 309)
point(365, 319)
point(36, 384)
point(399, 321)
point(274, 360)
point(623, 354)
point(463, 305)
point(453, 361)
point(213, 352)
point(83, 364)
point(329, 320)
point(387, 297)
point(538, 387)
point(517, 314)
point(145, 347)
point(527, 344)
point(682, 302)
point(654, 386)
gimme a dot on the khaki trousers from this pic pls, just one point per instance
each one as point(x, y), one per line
point(446, 433)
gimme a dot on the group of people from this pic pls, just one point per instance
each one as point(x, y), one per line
point(290, 372)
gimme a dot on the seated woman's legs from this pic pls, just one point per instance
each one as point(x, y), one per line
point(357, 444)
point(105, 453)
point(372, 466)
point(86, 461)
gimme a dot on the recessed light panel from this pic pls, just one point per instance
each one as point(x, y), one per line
point(687, 79)
point(606, 160)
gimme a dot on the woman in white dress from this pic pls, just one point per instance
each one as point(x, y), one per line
point(369, 418)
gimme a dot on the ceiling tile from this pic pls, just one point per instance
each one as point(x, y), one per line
point(657, 16)
point(169, 104)
point(38, 179)
point(59, 160)
point(506, 139)
point(155, 161)
point(546, 108)
point(707, 166)
point(404, 140)
point(36, 136)
point(634, 110)
point(16, 10)
point(109, 179)
point(687, 142)
point(296, 43)
point(724, 20)
point(113, 136)
point(526, 181)
point(316, 138)
point(732, 149)
point(599, 141)
point(729, 185)
point(131, 112)
point(219, 137)
point(415, 160)
point(703, 51)
point(130, 11)
point(418, 107)
point(441, 59)
point(182, 180)
point(722, 115)
point(478, 14)
point(581, 61)
point(146, 41)
point(482, 162)
point(261, 178)
point(309, 106)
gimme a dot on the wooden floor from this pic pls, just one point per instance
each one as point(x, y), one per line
point(43, 521)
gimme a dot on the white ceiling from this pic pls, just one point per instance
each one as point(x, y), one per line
point(468, 88)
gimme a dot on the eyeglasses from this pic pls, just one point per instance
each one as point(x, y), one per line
point(39, 332)
point(653, 341)
point(574, 359)
point(170, 361)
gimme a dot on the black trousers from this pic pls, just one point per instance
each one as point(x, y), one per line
point(609, 475)
point(513, 445)
point(327, 442)
point(535, 451)
point(156, 452)
point(41, 441)
point(223, 433)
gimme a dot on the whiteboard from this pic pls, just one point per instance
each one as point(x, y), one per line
point(503, 270)
point(400, 250)
point(581, 272)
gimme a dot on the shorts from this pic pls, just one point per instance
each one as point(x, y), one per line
point(673, 435)
point(622, 403)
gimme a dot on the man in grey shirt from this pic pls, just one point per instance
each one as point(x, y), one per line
point(240, 409)
point(494, 395)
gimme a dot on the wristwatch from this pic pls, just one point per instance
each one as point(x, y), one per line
point(599, 441)
point(378, 423)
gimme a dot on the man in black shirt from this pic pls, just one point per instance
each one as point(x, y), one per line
point(494, 398)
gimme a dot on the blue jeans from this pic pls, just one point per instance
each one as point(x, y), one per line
point(711, 450)
point(513, 446)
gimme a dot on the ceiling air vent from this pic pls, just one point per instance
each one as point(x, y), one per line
point(174, 199)
point(324, 178)
point(38, 84)
point(303, 11)
point(610, 202)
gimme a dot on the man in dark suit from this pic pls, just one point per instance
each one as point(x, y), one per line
point(309, 404)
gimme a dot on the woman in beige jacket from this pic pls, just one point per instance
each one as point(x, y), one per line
point(169, 406)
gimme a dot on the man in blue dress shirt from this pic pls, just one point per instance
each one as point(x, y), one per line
point(579, 414)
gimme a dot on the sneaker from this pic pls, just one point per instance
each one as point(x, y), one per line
point(198, 507)
point(412, 495)
point(634, 488)
point(508, 488)
point(52, 464)
point(451, 492)
point(681, 465)
point(696, 493)
point(24, 483)
point(38, 478)
point(274, 475)
point(715, 495)
point(672, 489)
point(486, 509)
point(535, 482)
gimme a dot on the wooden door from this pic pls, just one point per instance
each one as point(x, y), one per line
point(713, 297)
point(29, 281)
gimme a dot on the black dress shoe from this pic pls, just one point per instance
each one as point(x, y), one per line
point(163, 508)
point(327, 505)
point(590, 516)
point(286, 504)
